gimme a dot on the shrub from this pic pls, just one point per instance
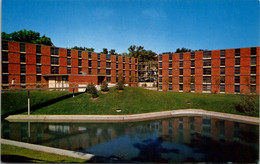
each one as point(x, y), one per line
point(120, 85)
point(104, 86)
point(247, 104)
point(92, 90)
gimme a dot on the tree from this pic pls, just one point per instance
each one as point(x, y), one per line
point(28, 37)
point(92, 90)
point(135, 51)
point(83, 49)
point(112, 52)
point(178, 50)
point(105, 51)
point(104, 86)
point(141, 54)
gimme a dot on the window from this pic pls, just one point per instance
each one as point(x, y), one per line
point(253, 51)
point(180, 87)
point(253, 69)
point(80, 62)
point(68, 61)
point(160, 72)
point(38, 69)
point(116, 79)
point(222, 88)
point(206, 71)
point(116, 58)
point(160, 85)
point(192, 71)
point(79, 54)
point(170, 71)
point(170, 87)
point(192, 55)
point(22, 58)
point(38, 59)
point(98, 56)
point(237, 52)
point(89, 63)
point(222, 79)
point(180, 63)
point(5, 79)
point(160, 79)
point(237, 70)
point(89, 55)
point(22, 79)
point(160, 57)
point(192, 79)
point(98, 64)
point(130, 72)
point(23, 68)
point(80, 71)
point(192, 87)
point(130, 66)
point(108, 57)
point(89, 71)
point(108, 64)
point(22, 47)
point(54, 51)
point(180, 79)
point(5, 67)
point(207, 62)
point(4, 56)
point(68, 70)
point(160, 64)
point(181, 56)
point(170, 80)
point(222, 53)
point(116, 65)
point(123, 59)
point(54, 60)
point(222, 62)
point(237, 79)
point(237, 88)
point(38, 78)
point(108, 79)
point(192, 63)
point(123, 66)
point(124, 72)
point(170, 56)
point(253, 60)
point(252, 88)
point(38, 49)
point(206, 87)
point(54, 70)
point(222, 70)
point(130, 60)
point(117, 72)
point(181, 72)
point(68, 53)
point(4, 45)
point(206, 54)
point(170, 64)
point(253, 79)
point(108, 72)
point(206, 79)
point(237, 61)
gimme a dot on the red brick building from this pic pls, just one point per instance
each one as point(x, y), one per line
point(29, 66)
point(218, 71)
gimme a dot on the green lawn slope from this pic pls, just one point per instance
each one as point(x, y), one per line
point(135, 100)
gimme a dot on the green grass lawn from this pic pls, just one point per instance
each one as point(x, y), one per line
point(22, 155)
point(17, 101)
point(135, 100)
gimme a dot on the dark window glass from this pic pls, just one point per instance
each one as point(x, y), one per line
point(98, 63)
point(38, 69)
point(181, 72)
point(192, 79)
point(123, 66)
point(108, 57)
point(170, 64)
point(38, 79)
point(116, 58)
point(22, 58)
point(160, 64)
point(192, 87)
point(206, 87)
point(4, 56)
point(54, 60)
point(123, 59)
point(253, 60)
point(23, 68)
point(253, 51)
point(52, 50)
point(222, 79)
point(237, 52)
point(89, 63)
point(252, 88)
point(180, 63)
point(5, 79)
point(108, 64)
point(222, 53)
point(237, 61)
point(38, 58)
point(79, 71)
point(68, 61)
point(22, 79)
point(89, 71)
point(89, 55)
point(170, 87)
point(207, 62)
point(222, 62)
point(206, 54)
point(192, 71)
point(5, 67)
point(237, 79)
point(4, 45)
point(80, 62)
point(160, 57)
point(116, 65)
point(117, 72)
point(170, 71)
point(253, 80)
point(108, 72)
point(180, 79)
point(192, 63)
point(181, 87)
point(124, 72)
point(222, 70)
point(192, 55)
point(68, 53)
point(130, 60)
point(98, 56)
point(68, 70)
point(181, 56)
point(108, 79)
point(79, 54)
point(98, 71)
point(237, 70)
point(22, 47)
point(56, 51)
point(222, 88)
point(160, 86)
point(253, 70)
point(170, 56)
point(38, 49)
point(160, 79)
point(206, 79)
point(206, 71)
point(54, 70)
point(237, 88)
point(170, 79)
point(160, 72)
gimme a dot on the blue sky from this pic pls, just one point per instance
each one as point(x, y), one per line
point(158, 25)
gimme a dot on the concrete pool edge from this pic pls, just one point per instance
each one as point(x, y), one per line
point(133, 117)
point(46, 149)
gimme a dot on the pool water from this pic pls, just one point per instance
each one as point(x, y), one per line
point(183, 139)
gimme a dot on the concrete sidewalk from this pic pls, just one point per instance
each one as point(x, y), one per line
point(133, 117)
point(48, 149)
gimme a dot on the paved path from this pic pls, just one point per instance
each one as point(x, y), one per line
point(133, 117)
point(48, 149)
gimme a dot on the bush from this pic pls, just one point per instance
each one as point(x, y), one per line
point(92, 90)
point(247, 104)
point(104, 86)
point(120, 85)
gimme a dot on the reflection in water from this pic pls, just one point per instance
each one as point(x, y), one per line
point(185, 139)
